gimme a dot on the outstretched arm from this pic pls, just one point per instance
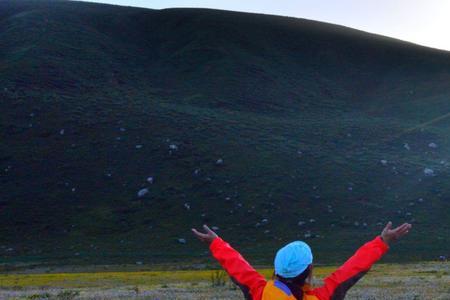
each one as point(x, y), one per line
point(241, 272)
point(338, 283)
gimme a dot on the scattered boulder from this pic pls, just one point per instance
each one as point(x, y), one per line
point(150, 179)
point(428, 172)
point(173, 147)
point(61, 132)
point(142, 192)
point(432, 145)
point(138, 146)
point(406, 146)
point(215, 228)
point(181, 241)
point(301, 223)
point(219, 161)
point(187, 206)
point(383, 162)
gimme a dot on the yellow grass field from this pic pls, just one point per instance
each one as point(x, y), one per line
point(384, 281)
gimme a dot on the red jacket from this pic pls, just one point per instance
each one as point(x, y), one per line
point(335, 286)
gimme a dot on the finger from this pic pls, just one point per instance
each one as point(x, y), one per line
point(401, 228)
point(388, 226)
point(404, 227)
point(199, 234)
point(207, 229)
point(404, 231)
point(195, 232)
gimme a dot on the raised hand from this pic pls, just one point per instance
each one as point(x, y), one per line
point(207, 237)
point(388, 235)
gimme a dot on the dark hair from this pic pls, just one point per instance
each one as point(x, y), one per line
point(296, 283)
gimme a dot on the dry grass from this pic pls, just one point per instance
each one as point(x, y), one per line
point(388, 281)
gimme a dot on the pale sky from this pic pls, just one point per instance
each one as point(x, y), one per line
point(424, 22)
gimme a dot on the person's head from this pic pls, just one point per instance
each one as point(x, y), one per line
point(293, 263)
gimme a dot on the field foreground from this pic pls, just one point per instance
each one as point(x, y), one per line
point(385, 281)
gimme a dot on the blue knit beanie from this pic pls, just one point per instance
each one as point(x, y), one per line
point(293, 259)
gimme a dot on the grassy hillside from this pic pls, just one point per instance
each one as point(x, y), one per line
point(310, 122)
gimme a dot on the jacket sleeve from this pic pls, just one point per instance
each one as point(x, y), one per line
point(338, 283)
point(241, 272)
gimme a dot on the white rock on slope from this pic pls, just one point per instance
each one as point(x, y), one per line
point(142, 192)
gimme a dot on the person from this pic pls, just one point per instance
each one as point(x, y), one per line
point(293, 266)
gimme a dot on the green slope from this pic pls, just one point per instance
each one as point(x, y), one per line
point(301, 112)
